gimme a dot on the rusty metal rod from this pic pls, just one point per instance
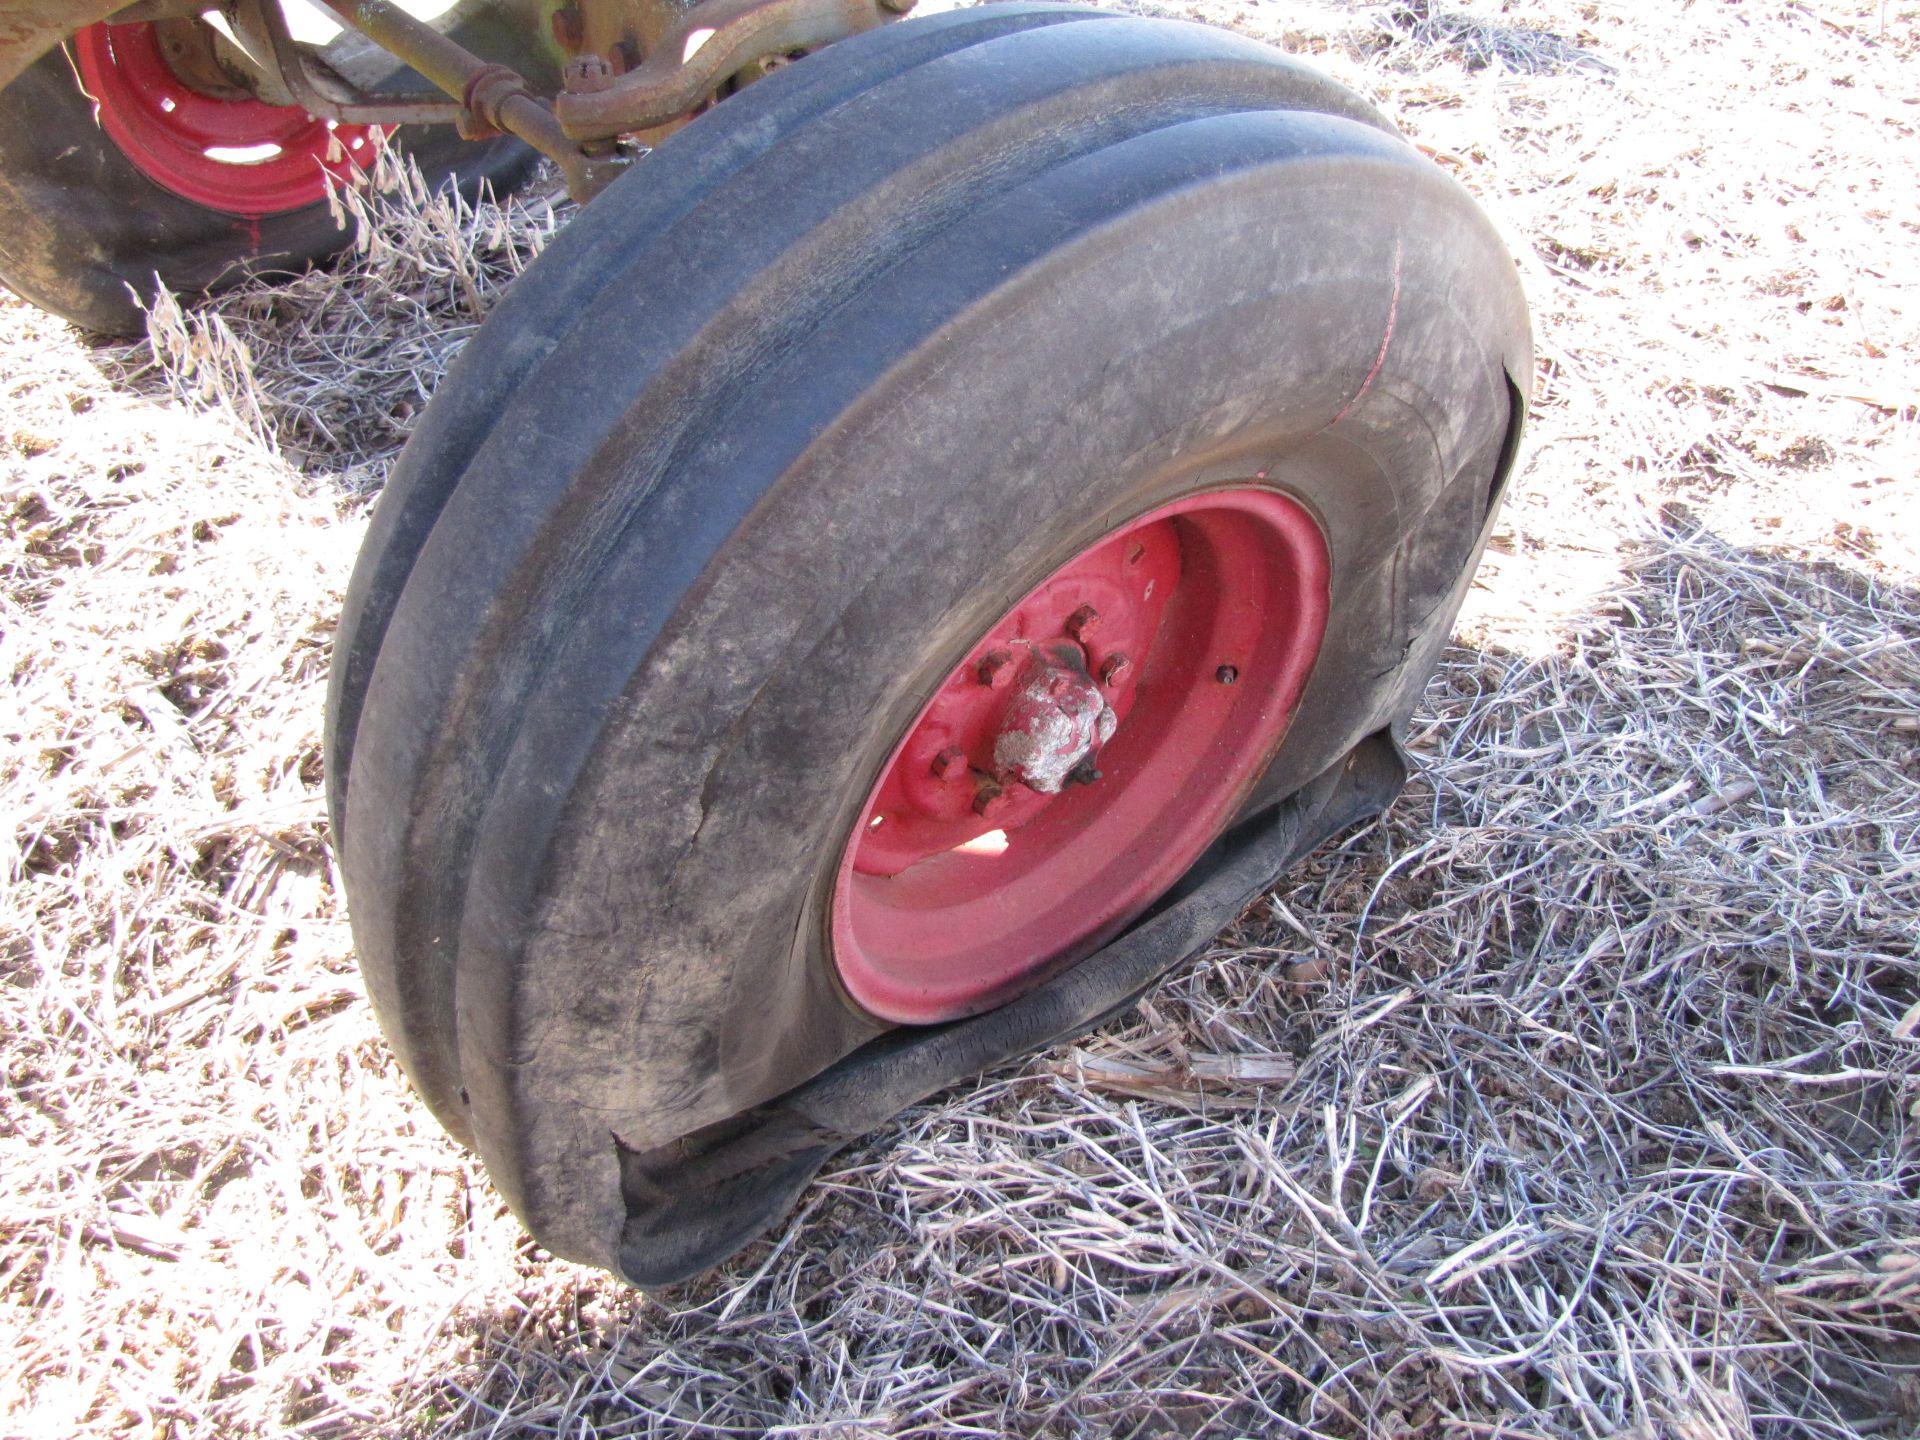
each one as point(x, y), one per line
point(493, 95)
point(712, 41)
point(445, 63)
point(267, 18)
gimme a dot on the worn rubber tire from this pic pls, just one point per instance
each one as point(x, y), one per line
point(743, 467)
point(84, 232)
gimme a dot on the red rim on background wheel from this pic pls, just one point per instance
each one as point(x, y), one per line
point(1092, 744)
point(236, 155)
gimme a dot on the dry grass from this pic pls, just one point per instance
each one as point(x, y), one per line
point(1577, 1097)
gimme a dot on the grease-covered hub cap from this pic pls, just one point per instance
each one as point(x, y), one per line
point(1077, 762)
point(229, 153)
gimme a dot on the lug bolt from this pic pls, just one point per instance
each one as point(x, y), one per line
point(1226, 674)
point(949, 761)
point(1116, 669)
point(1085, 773)
point(989, 798)
point(1083, 623)
point(996, 669)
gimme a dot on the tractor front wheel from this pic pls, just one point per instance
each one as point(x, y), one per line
point(876, 551)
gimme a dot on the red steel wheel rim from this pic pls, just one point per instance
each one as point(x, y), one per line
point(239, 156)
point(967, 879)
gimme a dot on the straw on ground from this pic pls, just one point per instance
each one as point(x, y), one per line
point(1577, 1097)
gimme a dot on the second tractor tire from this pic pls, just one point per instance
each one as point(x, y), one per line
point(86, 234)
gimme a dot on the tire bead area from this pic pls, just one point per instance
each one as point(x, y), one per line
point(966, 880)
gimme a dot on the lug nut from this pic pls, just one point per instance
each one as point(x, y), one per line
point(1116, 669)
point(1083, 622)
point(586, 75)
point(989, 798)
point(996, 669)
point(948, 761)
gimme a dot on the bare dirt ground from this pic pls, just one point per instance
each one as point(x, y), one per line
point(1577, 1097)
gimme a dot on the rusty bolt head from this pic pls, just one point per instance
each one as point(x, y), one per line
point(1083, 623)
point(989, 799)
point(587, 74)
point(1116, 669)
point(997, 669)
point(950, 763)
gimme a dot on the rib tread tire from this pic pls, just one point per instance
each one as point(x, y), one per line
point(624, 545)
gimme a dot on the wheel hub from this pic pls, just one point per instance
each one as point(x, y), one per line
point(1024, 712)
point(1081, 756)
point(1057, 721)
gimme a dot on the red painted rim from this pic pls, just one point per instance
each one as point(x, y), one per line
point(965, 882)
point(239, 156)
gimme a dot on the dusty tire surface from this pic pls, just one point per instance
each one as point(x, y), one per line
point(83, 230)
point(733, 480)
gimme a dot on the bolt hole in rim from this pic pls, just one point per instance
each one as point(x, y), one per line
point(238, 156)
point(964, 881)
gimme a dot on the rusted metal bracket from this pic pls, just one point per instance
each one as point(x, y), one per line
point(493, 98)
point(265, 18)
point(582, 132)
point(712, 41)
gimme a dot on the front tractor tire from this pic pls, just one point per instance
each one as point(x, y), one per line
point(118, 176)
point(814, 614)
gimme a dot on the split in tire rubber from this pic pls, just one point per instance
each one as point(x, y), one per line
point(738, 479)
point(110, 176)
